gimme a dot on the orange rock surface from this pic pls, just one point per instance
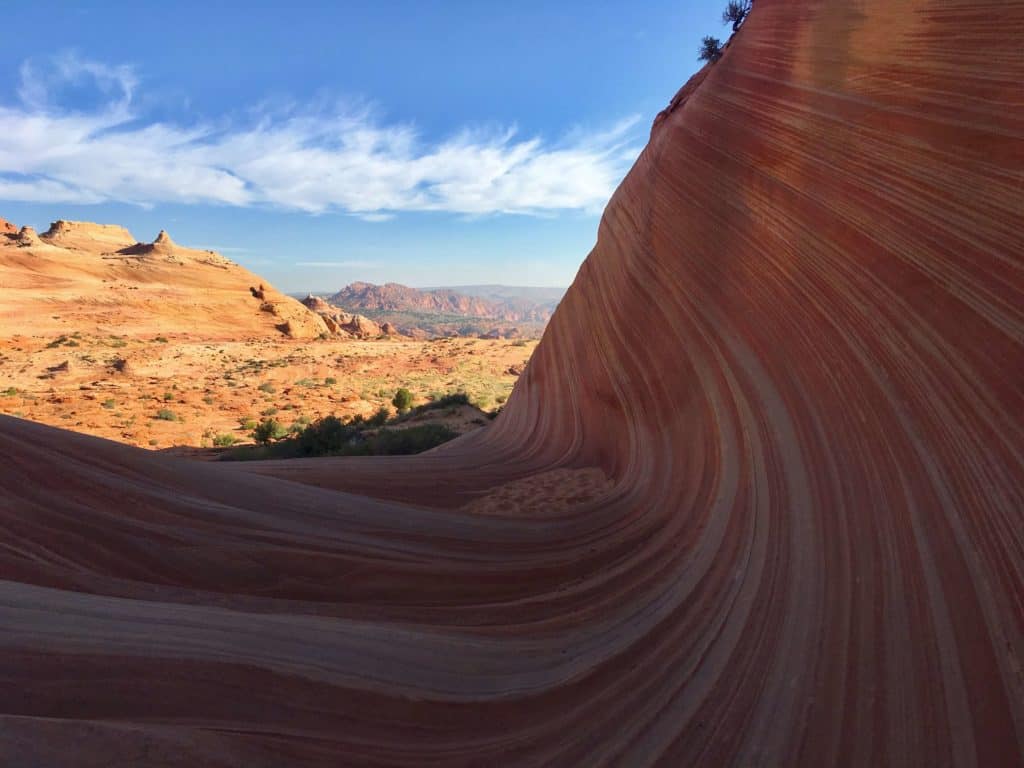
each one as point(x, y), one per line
point(794, 531)
point(84, 277)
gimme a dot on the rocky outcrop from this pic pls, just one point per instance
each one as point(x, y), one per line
point(790, 367)
point(85, 270)
point(343, 323)
point(85, 234)
point(317, 304)
point(28, 238)
point(7, 228)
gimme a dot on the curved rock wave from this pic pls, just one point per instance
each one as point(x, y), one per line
point(794, 365)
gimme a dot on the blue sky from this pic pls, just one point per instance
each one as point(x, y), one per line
point(429, 143)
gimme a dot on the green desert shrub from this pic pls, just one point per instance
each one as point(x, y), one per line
point(166, 414)
point(391, 442)
point(402, 400)
point(269, 430)
point(710, 49)
point(224, 441)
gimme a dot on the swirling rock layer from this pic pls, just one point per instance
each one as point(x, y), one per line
point(805, 542)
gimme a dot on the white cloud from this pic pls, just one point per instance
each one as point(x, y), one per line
point(315, 161)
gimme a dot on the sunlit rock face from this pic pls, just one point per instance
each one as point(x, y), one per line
point(785, 391)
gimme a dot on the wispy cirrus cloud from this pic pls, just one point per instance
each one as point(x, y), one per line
point(307, 160)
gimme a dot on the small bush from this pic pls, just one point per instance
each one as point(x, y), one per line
point(11, 391)
point(165, 414)
point(247, 424)
point(224, 441)
point(305, 383)
point(710, 49)
point(269, 412)
point(402, 400)
point(267, 387)
point(269, 430)
point(209, 400)
point(329, 435)
point(109, 403)
point(330, 381)
point(735, 13)
point(168, 396)
point(160, 339)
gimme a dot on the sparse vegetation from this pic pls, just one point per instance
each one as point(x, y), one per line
point(330, 381)
point(267, 387)
point(735, 13)
point(332, 436)
point(269, 430)
point(710, 49)
point(160, 339)
point(166, 414)
point(224, 441)
point(109, 403)
point(10, 392)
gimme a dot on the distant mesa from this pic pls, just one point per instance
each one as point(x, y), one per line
point(489, 311)
point(394, 297)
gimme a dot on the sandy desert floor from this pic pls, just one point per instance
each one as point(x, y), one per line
point(165, 391)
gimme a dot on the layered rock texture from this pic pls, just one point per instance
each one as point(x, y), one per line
point(85, 277)
point(795, 532)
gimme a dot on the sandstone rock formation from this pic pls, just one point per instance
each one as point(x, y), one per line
point(342, 323)
point(87, 235)
point(83, 276)
point(807, 547)
point(7, 227)
point(28, 238)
